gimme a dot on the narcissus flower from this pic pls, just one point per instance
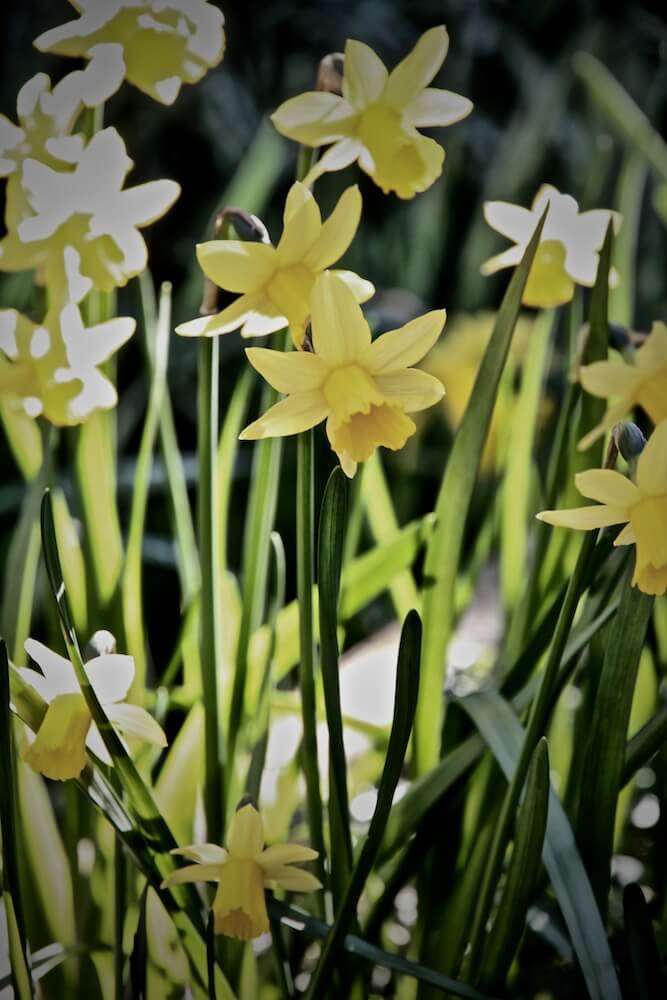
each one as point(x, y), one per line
point(163, 43)
point(640, 505)
point(375, 121)
point(568, 253)
point(58, 749)
point(640, 382)
point(242, 872)
point(276, 282)
point(88, 210)
point(363, 389)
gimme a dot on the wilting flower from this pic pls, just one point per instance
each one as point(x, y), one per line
point(640, 382)
point(376, 119)
point(640, 505)
point(568, 253)
point(276, 282)
point(87, 209)
point(58, 748)
point(46, 118)
point(242, 873)
point(163, 43)
point(364, 389)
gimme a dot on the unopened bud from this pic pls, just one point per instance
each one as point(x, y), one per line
point(629, 440)
point(330, 73)
point(248, 227)
point(101, 643)
point(620, 338)
point(246, 800)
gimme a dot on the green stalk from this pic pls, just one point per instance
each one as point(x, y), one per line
point(214, 777)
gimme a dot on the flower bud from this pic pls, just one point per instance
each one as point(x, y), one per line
point(629, 440)
point(101, 643)
point(330, 73)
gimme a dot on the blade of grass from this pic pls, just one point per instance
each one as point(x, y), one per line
point(227, 452)
point(645, 743)
point(645, 962)
point(456, 489)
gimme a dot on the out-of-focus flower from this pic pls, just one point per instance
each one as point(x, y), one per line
point(641, 382)
point(163, 43)
point(46, 117)
point(568, 253)
point(640, 505)
point(456, 359)
point(243, 871)
point(277, 282)
point(375, 122)
point(58, 748)
point(364, 389)
point(87, 209)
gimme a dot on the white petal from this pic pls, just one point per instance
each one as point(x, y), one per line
point(58, 672)
point(131, 720)
point(111, 676)
point(95, 743)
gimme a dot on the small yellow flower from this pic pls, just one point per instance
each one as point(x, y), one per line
point(568, 253)
point(242, 873)
point(276, 282)
point(58, 749)
point(364, 389)
point(375, 121)
point(163, 43)
point(640, 505)
point(641, 382)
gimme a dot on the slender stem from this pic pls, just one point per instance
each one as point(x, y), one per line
point(120, 909)
point(214, 778)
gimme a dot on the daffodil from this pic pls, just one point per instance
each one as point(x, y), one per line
point(58, 748)
point(163, 43)
point(363, 389)
point(242, 872)
point(276, 282)
point(376, 120)
point(640, 505)
point(568, 253)
point(639, 382)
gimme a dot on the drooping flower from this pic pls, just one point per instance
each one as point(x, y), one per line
point(639, 382)
point(242, 872)
point(363, 389)
point(568, 253)
point(376, 120)
point(640, 505)
point(88, 210)
point(58, 749)
point(276, 282)
point(163, 43)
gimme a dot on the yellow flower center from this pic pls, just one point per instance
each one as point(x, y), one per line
point(362, 433)
point(239, 907)
point(548, 283)
point(59, 748)
point(350, 390)
point(652, 396)
point(289, 290)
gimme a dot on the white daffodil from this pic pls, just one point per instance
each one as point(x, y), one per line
point(58, 749)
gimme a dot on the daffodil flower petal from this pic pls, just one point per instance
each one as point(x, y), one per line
point(292, 879)
point(59, 747)
point(42, 686)
point(608, 487)
point(315, 118)
point(111, 676)
point(302, 227)
point(202, 853)
point(612, 416)
point(607, 378)
point(340, 332)
point(235, 265)
point(132, 720)
point(585, 518)
point(245, 837)
point(652, 464)
point(401, 348)
point(96, 745)
point(653, 352)
point(337, 232)
point(508, 258)
point(416, 71)
point(289, 372)
point(410, 389)
point(362, 289)
point(626, 536)
point(58, 672)
point(513, 221)
point(365, 74)
point(193, 873)
point(289, 416)
point(286, 854)
point(338, 156)
point(432, 108)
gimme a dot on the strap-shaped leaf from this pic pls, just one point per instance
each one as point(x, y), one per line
point(645, 963)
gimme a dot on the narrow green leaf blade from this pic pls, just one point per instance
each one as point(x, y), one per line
point(645, 962)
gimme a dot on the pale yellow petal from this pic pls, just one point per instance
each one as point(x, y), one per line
point(364, 76)
point(653, 352)
point(607, 487)
point(245, 836)
point(290, 416)
point(626, 536)
point(291, 371)
point(362, 289)
point(433, 108)
point(406, 168)
point(608, 378)
point(416, 71)
point(255, 314)
point(302, 226)
point(235, 265)
point(405, 346)
point(612, 416)
point(292, 879)
point(193, 873)
point(337, 157)
point(239, 906)
point(410, 389)
point(584, 518)
point(132, 720)
point(315, 118)
point(202, 853)
point(652, 464)
point(508, 258)
point(286, 854)
point(58, 750)
point(337, 232)
point(513, 221)
point(340, 332)
point(651, 579)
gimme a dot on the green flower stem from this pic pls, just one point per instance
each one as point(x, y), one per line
point(214, 777)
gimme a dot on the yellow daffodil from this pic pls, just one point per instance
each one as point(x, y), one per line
point(364, 389)
point(242, 872)
point(568, 253)
point(58, 749)
point(86, 209)
point(641, 382)
point(276, 282)
point(375, 122)
point(163, 43)
point(640, 505)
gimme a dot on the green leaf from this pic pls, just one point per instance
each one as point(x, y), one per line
point(505, 934)
point(72, 560)
point(331, 541)
point(645, 962)
point(605, 756)
point(24, 438)
point(405, 701)
point(456, 489)
point(646, 742)
point(504, 735)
